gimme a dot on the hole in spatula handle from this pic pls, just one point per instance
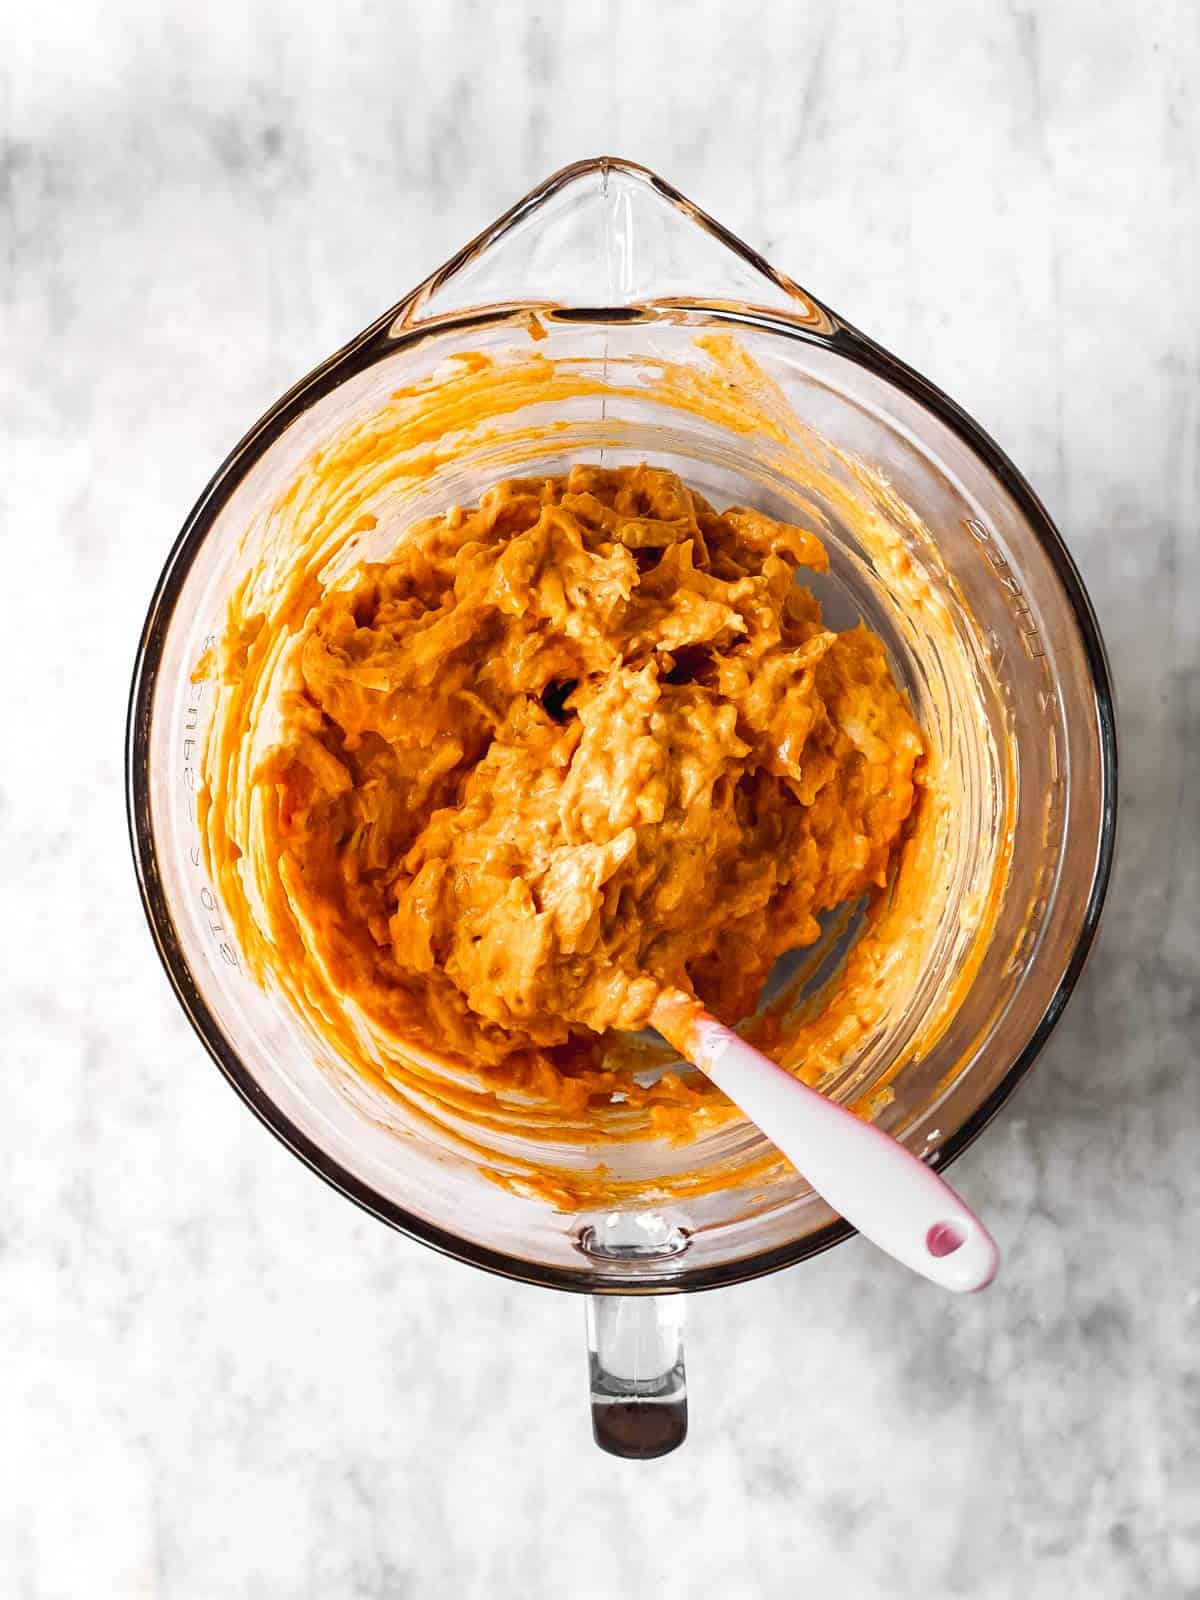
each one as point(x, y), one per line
point(944, 1238)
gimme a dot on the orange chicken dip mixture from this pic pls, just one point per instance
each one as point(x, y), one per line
point(585, 745)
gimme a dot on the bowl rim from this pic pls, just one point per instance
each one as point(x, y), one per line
point(383, 338)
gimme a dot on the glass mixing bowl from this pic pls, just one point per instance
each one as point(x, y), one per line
point(609, 275)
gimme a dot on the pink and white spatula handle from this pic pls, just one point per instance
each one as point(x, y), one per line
point(887, 1193)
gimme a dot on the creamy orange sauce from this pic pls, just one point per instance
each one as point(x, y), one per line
point(478, 789)
point(583, 744)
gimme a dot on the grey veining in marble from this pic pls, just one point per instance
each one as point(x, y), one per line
point(219, 1380)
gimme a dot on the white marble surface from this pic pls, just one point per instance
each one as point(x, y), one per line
point(218, 1379)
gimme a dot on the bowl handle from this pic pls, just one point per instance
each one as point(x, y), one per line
point(636, 1373)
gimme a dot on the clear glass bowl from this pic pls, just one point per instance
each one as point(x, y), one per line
point(614, 275)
